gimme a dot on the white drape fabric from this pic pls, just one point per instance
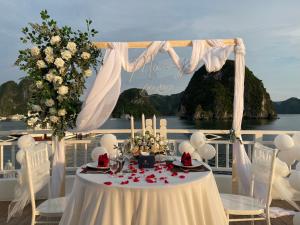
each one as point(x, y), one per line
point(103, 95)
point(40, 176)
point(191, 201)
point(58, 168)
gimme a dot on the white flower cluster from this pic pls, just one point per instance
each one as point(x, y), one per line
point(39, 84)
point(87, 73)
point(54, 119)
point(72, 47)
point(35, 51)
point(63, 90)
point(62, 112)
point(66, 54)
point(55, 40)
point(49, 102)
point(41, 64)
point(85, 55)
point(49, 55)
point(59, 62)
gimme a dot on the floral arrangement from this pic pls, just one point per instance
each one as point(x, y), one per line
point(148, 144)
point(58, 61)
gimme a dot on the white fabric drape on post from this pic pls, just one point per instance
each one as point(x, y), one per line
point(243, 163)
point(58, 168)
point(104, 93)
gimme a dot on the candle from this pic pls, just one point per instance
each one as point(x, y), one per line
point(154, 125)
point(132, 126)
point(143, 124)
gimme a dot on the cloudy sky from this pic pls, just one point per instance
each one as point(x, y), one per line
point(270, 29)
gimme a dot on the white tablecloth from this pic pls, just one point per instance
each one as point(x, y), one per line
point(190, 200)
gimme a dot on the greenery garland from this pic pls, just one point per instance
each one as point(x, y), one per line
point(59, 62)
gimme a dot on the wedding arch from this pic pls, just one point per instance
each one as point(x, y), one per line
point(103, 94)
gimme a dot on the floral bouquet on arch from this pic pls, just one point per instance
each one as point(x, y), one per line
point(148, 144)
point(58, 61)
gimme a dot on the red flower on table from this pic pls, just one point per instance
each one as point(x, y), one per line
point(186, 159)
point(108, 183)
point(136, 179)
point(103, 160)
point(181, 176)
point(174, 174)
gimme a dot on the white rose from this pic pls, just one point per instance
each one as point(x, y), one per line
point(32, 121)
point(49, 102)
point(62, 71)
point(62, 112)
point(62, 90)
point(87, 72)
point(52, 111)
point(54, 119)
point(41, 64)
point(39, 84)
point(48, 51)
point(55, 39)
point(36, 108)
point(49, 77)
point(59, 62)
point(49, 58)
point(35, 51)
point(85, 55)
point(72, 47)
point(57, 80)
point(66, 55)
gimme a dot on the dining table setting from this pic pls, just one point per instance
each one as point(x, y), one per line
point(119, 190)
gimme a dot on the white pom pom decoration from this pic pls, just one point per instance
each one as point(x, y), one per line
point(287, 157)
point(296, 139)
point(281, 168)
point(296, 219)
point(294, 179)
point(98, 151)
point(198, 139)
point(20, 156)
point(207, 152)
point(26, 142)
point(284, 142)
point(109, 141)
point(196, 156)
point(186, 146)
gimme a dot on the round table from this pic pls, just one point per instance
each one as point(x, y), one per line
point(174, 199)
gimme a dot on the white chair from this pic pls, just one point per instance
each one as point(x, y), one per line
point(38, 173)
point(256, 206)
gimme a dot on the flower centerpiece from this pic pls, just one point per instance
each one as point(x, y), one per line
point(58, 61)
point(148, 144)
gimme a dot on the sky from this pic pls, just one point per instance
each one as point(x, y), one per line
point(270, 29)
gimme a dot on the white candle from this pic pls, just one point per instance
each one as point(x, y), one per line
point(154, 125)
point(143, 124)
point(132, 126)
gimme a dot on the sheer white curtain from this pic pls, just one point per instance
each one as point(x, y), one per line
point(104, 93)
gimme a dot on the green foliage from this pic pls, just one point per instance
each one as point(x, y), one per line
point(59, 61)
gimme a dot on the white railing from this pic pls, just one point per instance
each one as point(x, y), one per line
point(78, 151)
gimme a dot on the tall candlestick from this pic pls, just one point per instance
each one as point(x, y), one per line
point(143, 125)
point(154, 126)
point(132, 126)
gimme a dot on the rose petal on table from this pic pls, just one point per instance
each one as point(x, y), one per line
point(166, 181)
point(124, 182)
point(121, 176)
point(130, 177)
point(108, 183)
point(136, 179)
point(149, 180)
point(142, 172)
point(181, 176)
point(174, 174)
point(150, 176)
point(133, 174)
point(163, 178)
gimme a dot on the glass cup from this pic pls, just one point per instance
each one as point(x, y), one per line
point(113, 164)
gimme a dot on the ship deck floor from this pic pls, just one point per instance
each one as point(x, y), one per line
point(25, 219)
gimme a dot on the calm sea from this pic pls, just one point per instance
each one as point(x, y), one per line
point(285, 122)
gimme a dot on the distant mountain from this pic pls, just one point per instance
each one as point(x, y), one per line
point(14, 97)
point(289, 106)
point(207, 96)
point(210, 95)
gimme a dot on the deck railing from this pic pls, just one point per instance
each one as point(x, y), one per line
point(78, 150)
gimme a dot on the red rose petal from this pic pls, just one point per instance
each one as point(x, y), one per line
point(150, 176)
point(174, 174)
point(130, 177)
point(166, 181)
point(136, 179)
point(120, 176)
point(124, 182)
point(149, 180)
point(181, 176)
point(108, 183)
